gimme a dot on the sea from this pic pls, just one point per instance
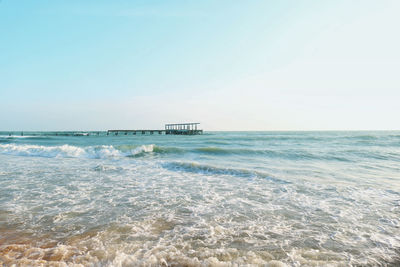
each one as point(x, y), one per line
point(217, 199)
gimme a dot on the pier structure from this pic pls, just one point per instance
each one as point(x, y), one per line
point(134, 132)
point(189, 128)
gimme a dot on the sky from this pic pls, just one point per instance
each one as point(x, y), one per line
point(230, 65)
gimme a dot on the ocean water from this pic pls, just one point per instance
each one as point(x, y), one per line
point(217, 199)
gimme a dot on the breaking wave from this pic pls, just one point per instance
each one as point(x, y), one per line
point(106, 151)
point(291, 154)
point(26, 137)
point(214, 170)
point(69, 151)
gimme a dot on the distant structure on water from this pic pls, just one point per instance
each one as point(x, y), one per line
point(189, 128)
point(183, 128)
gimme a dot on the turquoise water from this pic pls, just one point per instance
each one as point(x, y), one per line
point(218, 199)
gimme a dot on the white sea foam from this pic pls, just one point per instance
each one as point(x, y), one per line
point(20, 136)
point(68, 151)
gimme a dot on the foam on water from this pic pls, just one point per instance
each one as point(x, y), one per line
point(68, 151)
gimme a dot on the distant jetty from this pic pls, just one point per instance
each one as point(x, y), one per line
point(189, 128)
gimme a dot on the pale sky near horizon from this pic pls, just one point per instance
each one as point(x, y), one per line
point(231, 65)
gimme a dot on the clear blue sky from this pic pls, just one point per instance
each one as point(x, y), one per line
point(231, 65)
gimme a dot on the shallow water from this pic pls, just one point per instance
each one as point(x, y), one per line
point(219, 199)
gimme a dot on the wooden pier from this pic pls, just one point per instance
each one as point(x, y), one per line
point(190, 128)
point(183, 128)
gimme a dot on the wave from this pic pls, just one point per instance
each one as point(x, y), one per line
point(69, 151)
point(213, 170)
point(18, 139)
point(106, 151)
point(25, 137)
point(219, 151)
point(285, 154)
point(216, 151)
point(237, 151)
point(362, 137)
point(263, 137)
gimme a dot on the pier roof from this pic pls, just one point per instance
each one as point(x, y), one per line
point(187, 123)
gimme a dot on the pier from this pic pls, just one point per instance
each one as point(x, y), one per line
point(190, 128)
point(183, 128)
